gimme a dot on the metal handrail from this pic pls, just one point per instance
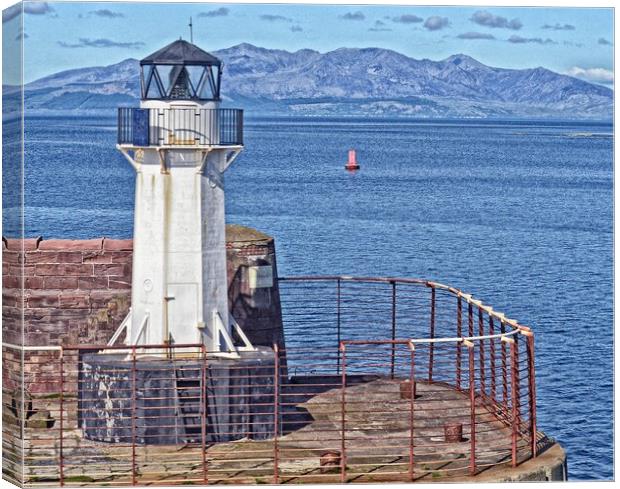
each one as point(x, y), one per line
point(179, 127)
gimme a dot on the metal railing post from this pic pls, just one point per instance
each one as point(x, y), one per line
point(504, 367)
point(133, 416)
point(517, 376)
point(481, 353)
point(343, 454)
point(515, 421)
point(532, 389)
point(459, 327)
point(203, 420)
point(393, 356)
point(61, 468)
point(338, 292)
point(411, 411)
point(492, 360)
point(276, 412)
point(472, 409)
point(432, 345)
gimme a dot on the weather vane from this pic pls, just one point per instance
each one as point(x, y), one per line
point(191, 31)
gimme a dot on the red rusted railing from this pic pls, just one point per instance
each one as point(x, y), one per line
point(368, 389)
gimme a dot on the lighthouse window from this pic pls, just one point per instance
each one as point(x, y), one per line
point(180, 82)
point(209, 88)
point(144, 79)
point(152, 86)
point(166, 75)
point(196, 78)
point(181, 88)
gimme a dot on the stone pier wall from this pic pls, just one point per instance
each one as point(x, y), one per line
point(74, 291)
point(77, 292)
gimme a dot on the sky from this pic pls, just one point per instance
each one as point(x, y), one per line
point(64, 35)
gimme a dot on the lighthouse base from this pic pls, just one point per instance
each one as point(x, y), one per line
point(157, 400)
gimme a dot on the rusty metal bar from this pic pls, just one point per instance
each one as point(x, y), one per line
point(61, 467)
point(203, 414)
point(276, 412)
point(133, 416)
point(502, 326)
point(343, 453)
point(393, 329)
point(338, 293)
point(532, 392)
point(492, 360)
point(411, 411)
point(459, 327)
point(431, 350)
point(470, 318)
point(481, 352)
point(472, 403)
point(517, 378)
point(515, 423)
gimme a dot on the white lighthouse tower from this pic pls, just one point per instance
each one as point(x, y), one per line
point(180, 143)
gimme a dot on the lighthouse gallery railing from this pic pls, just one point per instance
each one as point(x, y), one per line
point(180, 127)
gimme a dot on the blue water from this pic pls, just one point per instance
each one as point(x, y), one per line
point(519, 214)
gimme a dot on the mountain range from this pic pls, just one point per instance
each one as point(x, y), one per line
point(346, 81)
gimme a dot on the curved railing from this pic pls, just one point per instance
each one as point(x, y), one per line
point(472, 366)
point(378, 380)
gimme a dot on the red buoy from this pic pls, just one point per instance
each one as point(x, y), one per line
point(352, 163)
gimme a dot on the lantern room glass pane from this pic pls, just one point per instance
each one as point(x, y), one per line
point(166, 75)
point(209, 87)
point(145, 74)
point(181, 87)
point(195, 75)
point(151, 86)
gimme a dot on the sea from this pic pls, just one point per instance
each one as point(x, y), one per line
point(518, 213)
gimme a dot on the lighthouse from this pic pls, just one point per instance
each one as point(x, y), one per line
point(180, 143)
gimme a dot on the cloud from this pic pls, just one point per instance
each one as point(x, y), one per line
point(487, 19)
point(408, 19)
point(596, 75)
point(275, 18)
point(353, 16)
point(296, 28)
point(526, 40)
point(220, 12)
point(379, 27)
point(603, 41)
point(436, 23)
point(570, 43)
point(104, 12)
point(475, 35)
point(559, 27)
point(101, 43)
point(33, 8)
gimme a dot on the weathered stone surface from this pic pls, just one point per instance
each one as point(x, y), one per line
point(40, 419)
point(71, 245)
point(117, 244)
point(22, 244)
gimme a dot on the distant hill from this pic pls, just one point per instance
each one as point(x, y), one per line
point(363, 82)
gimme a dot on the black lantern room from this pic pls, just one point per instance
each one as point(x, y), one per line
point(181, 71)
